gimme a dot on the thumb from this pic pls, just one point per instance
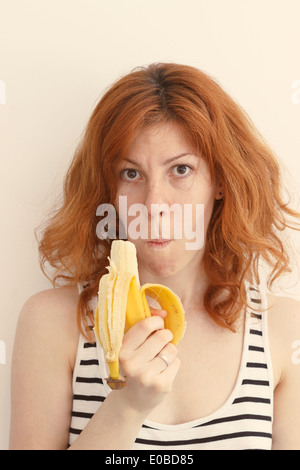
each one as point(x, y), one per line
point(158, 312)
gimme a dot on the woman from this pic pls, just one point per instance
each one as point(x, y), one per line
point(165, 134)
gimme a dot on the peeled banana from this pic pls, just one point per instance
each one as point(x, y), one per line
point(122, 302)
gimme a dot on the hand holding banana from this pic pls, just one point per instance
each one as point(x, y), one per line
point(148, 378)
point(122, 303)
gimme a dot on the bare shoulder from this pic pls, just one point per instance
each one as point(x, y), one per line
point(284, 339)
point(42, 368)
point(284, 331)
point(51, 315)
point(284, 313)
point(57, 304)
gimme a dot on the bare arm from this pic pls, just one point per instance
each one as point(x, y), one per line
point(285, 336)
point(41, 385)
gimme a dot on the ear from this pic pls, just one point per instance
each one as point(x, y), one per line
point(219, 193)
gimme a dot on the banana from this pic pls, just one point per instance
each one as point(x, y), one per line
point(122, 303)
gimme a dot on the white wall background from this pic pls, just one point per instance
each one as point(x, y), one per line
point(57, 57)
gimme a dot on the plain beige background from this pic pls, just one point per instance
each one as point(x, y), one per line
point(58, 57)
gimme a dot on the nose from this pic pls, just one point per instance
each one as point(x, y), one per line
point(156, 202)
point(155, 193)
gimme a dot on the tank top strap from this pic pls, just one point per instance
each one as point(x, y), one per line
point(257, 369)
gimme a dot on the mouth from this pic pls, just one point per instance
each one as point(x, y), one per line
point(159, 243)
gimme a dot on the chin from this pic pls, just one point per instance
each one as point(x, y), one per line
point(161, 266)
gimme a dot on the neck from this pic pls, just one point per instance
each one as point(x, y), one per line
point(189, 285)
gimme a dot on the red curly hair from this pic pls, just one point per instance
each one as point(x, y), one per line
point(245, 223)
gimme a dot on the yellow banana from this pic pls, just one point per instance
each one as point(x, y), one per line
point(122, 303)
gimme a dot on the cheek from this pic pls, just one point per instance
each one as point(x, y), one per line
point(204, 198)
point(196, 225)
point(208, 210)
point(130, 212)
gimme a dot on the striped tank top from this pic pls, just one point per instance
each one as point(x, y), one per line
point(243, 422)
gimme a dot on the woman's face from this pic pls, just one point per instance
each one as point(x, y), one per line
point(161, 168)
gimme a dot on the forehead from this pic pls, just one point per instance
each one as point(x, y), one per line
point(162, 139)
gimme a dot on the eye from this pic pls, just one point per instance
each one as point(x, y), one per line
point(182, 170)
point(131, 173)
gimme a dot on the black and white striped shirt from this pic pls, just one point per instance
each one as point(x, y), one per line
point(244, 421)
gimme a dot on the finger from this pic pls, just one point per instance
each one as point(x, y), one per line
point(158, 312)
point(162, 381)
point(168, 375)
point(151, 372)
point(139, 332)
point(169, 352)
point(154, 344)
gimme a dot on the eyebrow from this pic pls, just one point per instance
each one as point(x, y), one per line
point(169, 160)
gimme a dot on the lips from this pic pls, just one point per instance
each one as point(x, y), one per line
point(159, 243)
